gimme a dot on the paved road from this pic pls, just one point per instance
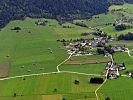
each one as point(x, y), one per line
point(128, 51)
point(105, 79)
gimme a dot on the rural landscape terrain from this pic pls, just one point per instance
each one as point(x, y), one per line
point(79, 59)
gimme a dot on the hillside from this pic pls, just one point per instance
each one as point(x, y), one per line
point(59, 9)
point(41, 59)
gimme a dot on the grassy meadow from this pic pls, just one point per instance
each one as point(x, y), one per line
point(91, 59)
point(100, 21)
point(34, 49)
point(119, 89)
point(37, 86)
point(86, 68)
point(124, 57)
point(86, 64)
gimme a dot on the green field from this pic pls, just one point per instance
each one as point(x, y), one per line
point(35, 50)
point(73, 33)
point(119, 89)
point(110, 17)
point(94, 64)
point(131, 54)
point(36, 86)
point(31, 50)
point(93, 59)
point(87, 68)
point(96, 22)
point(124, 57)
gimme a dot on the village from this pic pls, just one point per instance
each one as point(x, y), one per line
point(96, 46)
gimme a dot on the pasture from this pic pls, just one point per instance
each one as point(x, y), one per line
point(30, 51)
point(73, 33)
point(94, 64)
point(93, 59)
point(124, 57)
point(34, 49)
point(37, 86)
point(101, 21)
point(86, 68)
point(119, 89)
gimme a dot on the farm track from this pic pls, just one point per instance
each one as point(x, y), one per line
point(104, 80)
point(64, 61)
point(128, 51)
point(70, 72)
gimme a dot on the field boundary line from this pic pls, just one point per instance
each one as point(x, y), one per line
point(82, 73)
point(69, 72)
point(21, 76)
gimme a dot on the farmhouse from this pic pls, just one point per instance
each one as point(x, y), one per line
point(41, 22)
point(124, 21)
point(108, 65)
point(118, 49)
point(121, 66)
point(114, 69)
point(107, 54)
point(112, 75)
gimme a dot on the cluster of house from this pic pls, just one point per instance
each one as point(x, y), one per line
point(113, 69)
point(90, 44)
point(41, 22)
point(80, 45)
point(124, 21)
point(118, 48)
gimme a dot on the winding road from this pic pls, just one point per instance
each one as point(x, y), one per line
point(105, 79)
point(70, 72)
point(64, 61)
point(128, 51)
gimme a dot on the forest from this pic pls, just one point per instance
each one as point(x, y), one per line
point(62, 10)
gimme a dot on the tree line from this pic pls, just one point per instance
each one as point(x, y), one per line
point(59, 9)
point(128, 36)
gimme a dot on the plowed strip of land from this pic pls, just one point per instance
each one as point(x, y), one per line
point(4, 69)
point(87, 62)
point(127, 43)
point(52, 97)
